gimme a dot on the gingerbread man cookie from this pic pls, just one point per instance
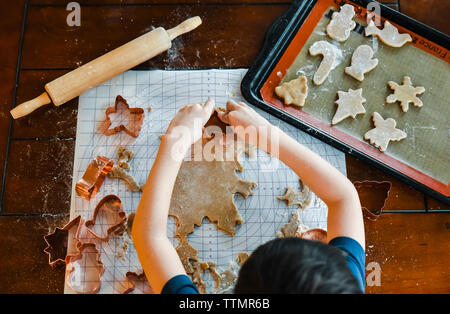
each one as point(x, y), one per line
point(405, 94)
point(329, 53)
point(341, 23)
point(349, 105)
point(293, 92)
point(362, 62)
point(384, 132)
point(388, 35)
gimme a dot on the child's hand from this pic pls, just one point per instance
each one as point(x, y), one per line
point(246, 122)
point(188, 123)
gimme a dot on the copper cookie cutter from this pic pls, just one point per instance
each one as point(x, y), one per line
point(93, 177)
point(374, 195)
point(57, 242)
point(108, 216)
point(132, 126)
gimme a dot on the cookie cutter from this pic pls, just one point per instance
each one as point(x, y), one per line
point(315, 234)
point(133, 125)
point(57, 242)
point(133, 278)
point(110, 210)
point(85, 269)
point(374, 195)
point(93, 177)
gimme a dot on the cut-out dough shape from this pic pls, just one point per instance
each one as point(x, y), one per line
point(301, 199)
point(362, 62)
point(329, 57)
point(384, 132)
point(349, 105)
point(341, 23)
point(388, 35)
point(294, 228)
point(405, 94)
point(293, 92)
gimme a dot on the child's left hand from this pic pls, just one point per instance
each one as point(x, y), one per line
point(188, 123)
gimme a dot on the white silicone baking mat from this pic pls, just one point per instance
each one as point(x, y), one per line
point(166, 92)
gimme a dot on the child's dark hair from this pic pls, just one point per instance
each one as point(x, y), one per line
point(293, 265)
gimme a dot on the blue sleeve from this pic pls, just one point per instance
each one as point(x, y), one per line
point(355, 256)
point(180, 284)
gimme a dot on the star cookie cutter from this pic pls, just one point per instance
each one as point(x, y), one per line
point(85, 269)
point(108, 216)
point(133, 119)
point(374, 195)
point(93, 177)
point(57, 242)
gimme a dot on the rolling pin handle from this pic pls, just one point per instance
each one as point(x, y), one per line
point(29, 106)
point(184, 27)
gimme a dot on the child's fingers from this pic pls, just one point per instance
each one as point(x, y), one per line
point(232, 105)
point(223, 116)
point(209, 107)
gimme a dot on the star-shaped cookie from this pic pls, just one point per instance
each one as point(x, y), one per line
point(405, 94)
point(384, 132)
point(293, 92)
point(349, 105)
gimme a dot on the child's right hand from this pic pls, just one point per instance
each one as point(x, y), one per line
point(245, 121)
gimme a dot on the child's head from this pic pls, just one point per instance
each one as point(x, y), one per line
point(292, 265)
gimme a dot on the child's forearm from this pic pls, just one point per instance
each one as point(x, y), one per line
point(158, 257)
point(330, 185)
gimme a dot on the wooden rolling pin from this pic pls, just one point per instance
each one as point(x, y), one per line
point(76, 82)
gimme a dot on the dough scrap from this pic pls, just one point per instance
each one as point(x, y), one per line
point(302, 199)
point(294, 92)
point(362, 62)
point(119, 173)
point(294, 228)
point(383, 132)
point(341, 23)
point(206, 189)
point(124, 156)
point(349, 105)
point(405, 94)
point(242, 257)
point(329, 57)
point(388, 35)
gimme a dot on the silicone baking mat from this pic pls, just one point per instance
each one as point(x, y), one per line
point(166, 92)
point(424, 155)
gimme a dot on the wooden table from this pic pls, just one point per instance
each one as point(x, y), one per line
point(410, 241)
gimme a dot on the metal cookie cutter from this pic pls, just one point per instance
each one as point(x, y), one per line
point(374, 195)
point(94, 176)
point(108, 216)
point(131, 119)
point(57, 242)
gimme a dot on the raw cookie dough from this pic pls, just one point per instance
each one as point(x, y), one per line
point(329, 57)
point(294, 228)
point(206, 189)
point(242, 257)
point(349, 105)
point(119, 173)
point(405, 94)
point(124, 156)
point(293, 92)
point(341, 23)
point(383, 132)
point(302, 199)
point(362, 62)
point(388, 35)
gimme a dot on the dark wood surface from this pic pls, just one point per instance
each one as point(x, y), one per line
point(411, 242)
